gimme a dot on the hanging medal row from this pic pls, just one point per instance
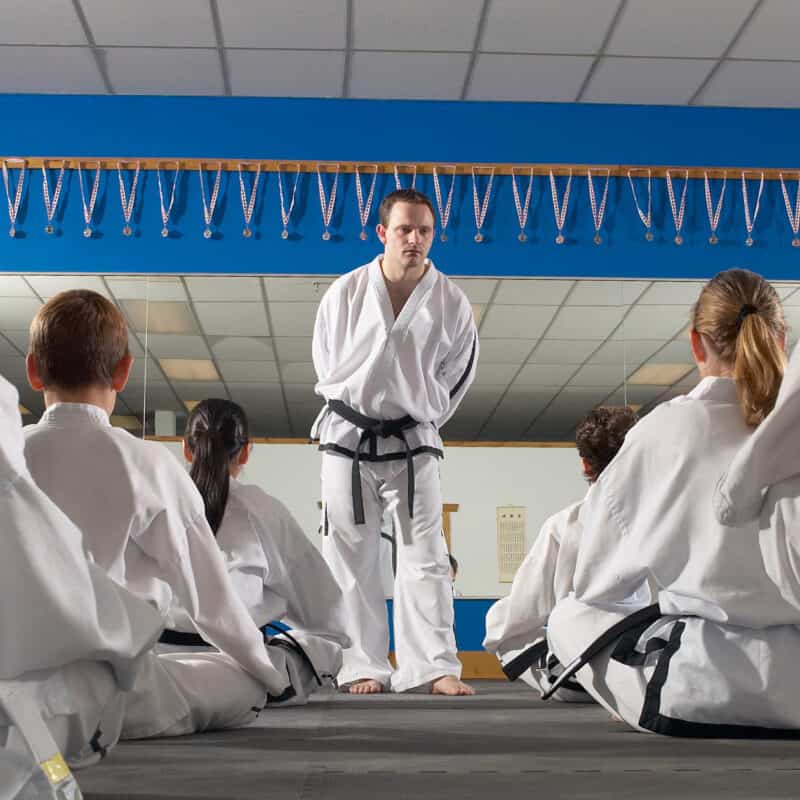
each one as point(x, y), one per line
point(17, 174)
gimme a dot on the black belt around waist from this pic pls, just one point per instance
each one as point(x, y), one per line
point(371, 429)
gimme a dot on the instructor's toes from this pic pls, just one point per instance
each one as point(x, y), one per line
point(450, 685)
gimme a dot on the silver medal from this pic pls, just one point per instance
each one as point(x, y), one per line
point(521, 237)
point(87, 232)
point(560, 238)
point(749, 241)
point(363, 236)
point(284, 234)
point(795, 242)
point(207, 233)
point(597, 238)
point(164, 232)
point(247, 233)
point(326, 237)
point(679, 240)
point(478, 237)
point(12, 232)
point(127, 231)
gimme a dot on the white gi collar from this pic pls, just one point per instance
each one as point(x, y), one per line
point(75, 414)
point(412, 304)
point(714, 388)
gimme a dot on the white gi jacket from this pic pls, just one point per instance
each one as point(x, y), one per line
point(143, 521)
point(386, 368)
point(276, 570)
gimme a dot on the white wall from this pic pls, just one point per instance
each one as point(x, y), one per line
point(479, 479)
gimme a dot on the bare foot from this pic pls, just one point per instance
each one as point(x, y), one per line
point(450, 685)
point(365, 686)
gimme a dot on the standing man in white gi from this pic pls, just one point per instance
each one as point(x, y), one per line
point(395, 350)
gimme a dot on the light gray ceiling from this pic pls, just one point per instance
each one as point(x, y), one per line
point(550, 349)
point(697, 52)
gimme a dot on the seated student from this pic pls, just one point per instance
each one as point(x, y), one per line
point(516, 625)
point(716, 656)
point(278, 573)
point(71, 639)
point(144, 522)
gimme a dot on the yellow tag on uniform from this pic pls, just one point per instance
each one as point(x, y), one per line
point(55, 768)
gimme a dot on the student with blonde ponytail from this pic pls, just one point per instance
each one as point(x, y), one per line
point(276, 570)
point(714, 653)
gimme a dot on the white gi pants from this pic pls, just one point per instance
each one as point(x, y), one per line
point(423, 597)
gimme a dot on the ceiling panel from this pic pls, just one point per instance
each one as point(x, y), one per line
point(287, 289)
point(164, 71)
point(177, 23)
point(626, 350)
point(49, 70)
point(298, 372)
point(141, 288)
point(286, 73)
point(293, 348)
point(159, 317)
point(494, 374)
point(524, 78)
point(516, 322)
point(16, 313)
point(544, 375)
point(557, 351)
point(199, 390)
point(50, 285)
point(547, 26)
point(17, 338)
point(166, 345)
point(605, 376)
point(233, 319)
point(675, 352)
point(423, 76)
point(7, 348)
point(772, 33)
point(40, 22)
point(292, 319)
point(606, 293)
point(240, 348)
point(225, 289)
point(665, 293)
point(283, 23)
point(477, 290)
point(14, 286)
point(159, 396)
point(659, 81)
point(750, 83)
point(576, 322)
point(248, 372)
point(653, 322)
point(532, 292)
point(505, 351)
point(302, 393)
point(651, 28)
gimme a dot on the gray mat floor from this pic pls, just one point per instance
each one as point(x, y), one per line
point(502, 743)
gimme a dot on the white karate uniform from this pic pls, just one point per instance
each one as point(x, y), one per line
point(71, 639)
point(518, 621)
point(721, 660)
point(281, 576)
point(421, 365)
point(143, 521)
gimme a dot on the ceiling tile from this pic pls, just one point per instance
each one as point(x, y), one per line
point(40, 22)
point(423, 76)
point(302, 393)
point(159, 396)
point(415, 25)
point(626, 351)
point(659, 81)
point(533, 375)
point(605, 376)
point(547, 26)
point(18, 338)
point(772, 33)
point(148, 70)
point(653, 322)
point(786, 291)
point(283, 23)
point(558, 351)
point(233, 319)
point(659, 374)
point(199, 390)
point(152, 287)
point(239, 348)
point(153, 23)
point(675, 352)
point(50, 285)
point(532, 292)
point(224, 289)
point(665, 293)
point(460, 430)
point(292, 319)
point(551, 78)
point(505, 351)
point(286, 289)
point(49, 70)
point(579, 322)
point(516, 322)
point(7, 348)
point(189, 369)
point(12, 368)
point(495, 374)
point(293, 348)
point(166, 345)
point(16, 313)
point(159, 317)
point(751, 83)
point(286, 73)
point(298, 372)
point(653, 28)
point(248, 372)
point(137, 378)
point(477, 290)
point(606, 293)
point(14, 286)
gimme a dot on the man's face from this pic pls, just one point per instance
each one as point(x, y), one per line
point(408, 236)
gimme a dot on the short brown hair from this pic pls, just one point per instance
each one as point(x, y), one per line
point(403, 196)
point(600, 436)
point(77, 339)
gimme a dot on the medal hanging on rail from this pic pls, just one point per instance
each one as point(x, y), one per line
point(750, 219)
point(444, 211)
point(327, 203)
point(51, 203)
point(413, 173)
point(286, 214)
point(522, 206)
point(712, 211)
point(88, 208)
point(480, 208)
point(127, 200)
point(794, 216)
point(248, 201)
point(560, 209)
point(364, 208)
point(13, 207)
point(211, 204)
point(598, 211)
point(166, 211)
point(647, 219)
point(678, 210)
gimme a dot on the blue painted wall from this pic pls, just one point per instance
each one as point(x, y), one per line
point(470, 622)
point(401, 131)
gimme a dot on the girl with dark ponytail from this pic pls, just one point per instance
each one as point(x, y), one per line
point(275, 568)
point(702, 647)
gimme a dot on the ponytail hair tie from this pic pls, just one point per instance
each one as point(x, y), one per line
point(745, 311)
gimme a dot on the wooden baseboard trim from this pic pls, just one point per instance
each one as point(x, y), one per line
point(474, 664)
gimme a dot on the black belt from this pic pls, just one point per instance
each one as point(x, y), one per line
point(371, 429)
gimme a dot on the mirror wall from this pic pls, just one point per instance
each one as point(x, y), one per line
point(550, 349)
